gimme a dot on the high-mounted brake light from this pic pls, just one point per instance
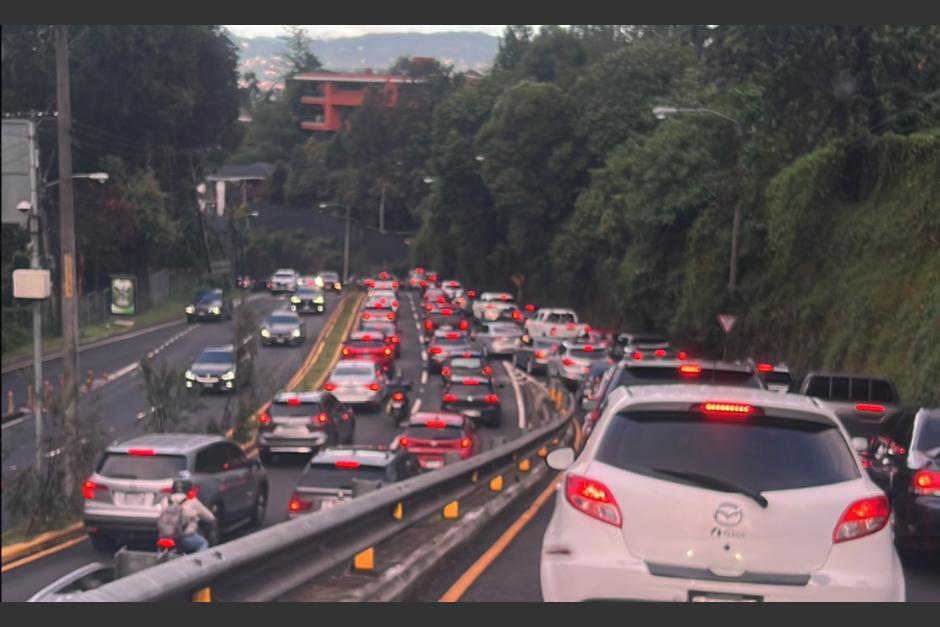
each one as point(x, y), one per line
point(435, 424)
point(588, 348)
point(446, 311)
point(453, 283)
point(659, 352)
point(373, 386)
point(347, 463)
point(720, 408)
point(329, 386)
point(465, 443)
point(452, 336)
point(926, 483)
point(863, 517)
point(293, 401)
point(264, 418)
point(690, 370)
point(472, 294)
point(487, 370)
point(366, 338)
point(593, 498)
point(530, 307)
point(492, 399)
point(765, 367)
point(398, 396)
point(870, 407)
point(141, 451)
point(166, 543)
point(504, 297)
point(450, 398)
point(321, 418)
point(383, 275)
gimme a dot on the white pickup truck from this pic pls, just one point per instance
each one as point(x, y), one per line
point(491, 302)
point(560, 323)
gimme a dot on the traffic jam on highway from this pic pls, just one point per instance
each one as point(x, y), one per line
point(698, 480)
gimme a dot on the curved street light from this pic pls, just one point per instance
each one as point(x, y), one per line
point(324, 205)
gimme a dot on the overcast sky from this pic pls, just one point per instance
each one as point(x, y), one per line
point(330, 32)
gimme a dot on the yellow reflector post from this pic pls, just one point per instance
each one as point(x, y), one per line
point(524, 465)
point(203, 595)
point(399, 512)
point(543, 451)
point(365, 560)
point(496, 484)
point(452, 510)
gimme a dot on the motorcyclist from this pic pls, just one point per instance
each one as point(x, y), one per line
point(193, 511)
point(399, 384)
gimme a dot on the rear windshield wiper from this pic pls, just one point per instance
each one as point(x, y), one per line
point(715, 483)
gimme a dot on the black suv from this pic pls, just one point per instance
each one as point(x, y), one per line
point(209, 305)
point(216, 368)
point(303, 422)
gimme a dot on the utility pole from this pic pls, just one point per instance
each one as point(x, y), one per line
point(67, 246)
point(736, 226)
point(382, 211)
point(346, 249)
point(34, 263)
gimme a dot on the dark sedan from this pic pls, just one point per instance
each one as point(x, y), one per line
point(209, 305)
point(473, 397)
point(283, 328)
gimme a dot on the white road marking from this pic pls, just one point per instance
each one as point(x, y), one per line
point(424, 377)
point(13, 423)
point(416, 407)
point(424, 355)
point(520, 406)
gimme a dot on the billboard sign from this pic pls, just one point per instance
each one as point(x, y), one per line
point(123, 294)
point(19, 168)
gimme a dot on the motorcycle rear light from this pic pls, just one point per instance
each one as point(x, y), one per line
point(347, 463)
point(264, 418)
point(765, 368)
point(492, 399)
point(450, 398)
point(682, 356)
point(373, 386)
point(321, 418)
point(463, 325)
point(436, 350)
point(567, 361)
point(637, 355)
point(659, 352)
point(298, 504)
point(403, 442)
point(926, 483)
point(398, 396)
point(445, 371)
point(593, 498)
point(464, 442)
point(141, 451)
point(346, 352)
point(863, 517)
point(870, 407)
point(293, 401)
point(329, 386)
point(166, 543)
point(487, 370)
point(690, 370)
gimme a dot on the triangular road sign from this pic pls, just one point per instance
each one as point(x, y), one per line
point(727, 321)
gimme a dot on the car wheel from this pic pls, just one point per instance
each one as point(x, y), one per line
point(101, 541)
point(261, 506)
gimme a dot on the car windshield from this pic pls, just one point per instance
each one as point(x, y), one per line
point(331, 476)
point(282, 319)
point(345, 371)
point(757, 452)
point(286, 410)
point(207, 298)
point(329, 276)
point(215, 357)
point(146, 467)
point(420, 432)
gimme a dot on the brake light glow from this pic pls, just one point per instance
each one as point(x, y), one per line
point(587, 328)
point(293, 401)
point(345, 352)
point(436, 350)
point(89, 488)
point(453, 283)
point(141, 451)
point(298, 504)
point(166, 543)
point(423, 283)
point(366, 337)
point(472, 294)
point(765, 367)
point(450, 398)
point(398, 396)
point(492, 399)
point(440, 299)
point(329, 386)
point(445, 371)
point(393, 339)
point(195, 491)
point(530, 307)
point(593, 498)
point(446, 311)
point(516, 315)
point(419, 270)
point(588, 348)
point(383, 275)
point(718, 408)
point(347, 463)
point(395, 304)
point(403, 441)
point(870, 407)
point(390, 316)
point(487, 370)
point(540, 354)
point(428, 325)
point(690, 370)
point(682, 356)
point(465, 443)
point(463, 325)
point(321, 418)
point(926, 483)
point(863, 517)
point(435, 424)
point(659, 352)
point(388, 352)
point(566, 361)
point(264, 418)
point(394, 285)
point(373, 386)
point(637, 355)
point(471, 382)
point(367, 316)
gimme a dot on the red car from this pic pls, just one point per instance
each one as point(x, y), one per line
point(432, 436)
point(369, 345)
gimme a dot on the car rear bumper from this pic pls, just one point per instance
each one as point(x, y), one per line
point(289, 444)
point(358, 398)
point(918, 523)
point(219, 385)
point(489, 414)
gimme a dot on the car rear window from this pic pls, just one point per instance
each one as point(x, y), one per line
point(124, 466)
point(595, 353)
point(881, 391)
point(353, 371)
point(283, 410)
point(561, 318)
point(852, 389)
point(760, 453)
point(330, 476)
point(365, 343)
point(432, 433)
point(655, 375)
point(779, 378)
point(461, 389)
point(457, 341)
point(467, 363)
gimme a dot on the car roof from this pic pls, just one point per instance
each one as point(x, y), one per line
point(576, 343)
point(791, 405)
point(226, 347)
point(284, 312)
point(379, 456)
point(167, 443)
point(366, 335)
point(303, 397)
point(557, 310)
point(451, 419)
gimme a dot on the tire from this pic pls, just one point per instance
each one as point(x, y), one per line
point(101, 542)
point(260, 506)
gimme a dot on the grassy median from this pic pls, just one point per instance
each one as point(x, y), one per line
point(331, 344)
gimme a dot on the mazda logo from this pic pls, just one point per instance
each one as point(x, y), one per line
point(728, 515)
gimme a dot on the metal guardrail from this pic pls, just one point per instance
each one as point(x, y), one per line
point(271, 562)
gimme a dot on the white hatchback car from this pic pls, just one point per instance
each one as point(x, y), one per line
point(711, 493)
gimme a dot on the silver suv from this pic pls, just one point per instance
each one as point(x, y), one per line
point(131, 483)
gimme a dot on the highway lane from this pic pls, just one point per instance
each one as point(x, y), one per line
point(371, 428)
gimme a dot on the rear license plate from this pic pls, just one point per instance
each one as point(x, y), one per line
point(699, 596)
point(135, 498)
point(434, 463)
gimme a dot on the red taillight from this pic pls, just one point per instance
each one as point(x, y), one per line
point(390, 316)
point(504, 297)
point(395, 304)
point(765, 368)
point(571, 326)
point(587, 328)
point(471, 382)
point(388, 352)
point(423, 283)
point(166, 543)
point(347, 463)
point(472, 294)
point(682, 356)
point(718, 408)
point(329, 387)
point(293, 401)
point(370, 283)
point(465, 443)
point(553, 331)
point(393, 339)
point(870, 407)
point(432, 277)
point(926, 483)
point(435, 424)
point(450, 398)
point(398, 396)
point(567, 361)
point(540, 354)
point(141, 451)
point(436, 350)
point(403, 441)
point(440, 300)
point(445, 371)
point(345, 352)
point(395, 286)
point(373, 386)
point(298, 504)
point(419, 270)
point(321, 418)
point(516, 315)
point(659, 352)
point(366, 316)
point(192, 493)
point(863, 517)
point(588, 348)
point(492, 399)
point(428, 325)
point(88, 489)
point(487, 370)
point(593, 498)
point(530, 307)
point(637, 355)
point(463, 325)
point(264, 418)
point(690, 370)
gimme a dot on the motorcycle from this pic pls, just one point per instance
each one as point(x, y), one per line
point(399, 407)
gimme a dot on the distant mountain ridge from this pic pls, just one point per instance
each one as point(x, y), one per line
point(464, 50)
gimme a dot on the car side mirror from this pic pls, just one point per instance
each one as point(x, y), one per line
point(560, 458)
point(860, 445)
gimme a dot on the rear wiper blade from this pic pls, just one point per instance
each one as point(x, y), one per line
point(715, 483)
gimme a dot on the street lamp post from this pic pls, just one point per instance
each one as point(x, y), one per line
point(324, 205)
point(662, 113)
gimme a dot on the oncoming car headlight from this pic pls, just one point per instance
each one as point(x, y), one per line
point(215, 311)
point(295, 299)
point(190, 309)
point(189, 375)
point(265, 333)
point(295, 333)
point(228, 376)
point(319, 300)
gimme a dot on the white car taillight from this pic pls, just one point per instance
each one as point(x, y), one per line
point(593, 498)
point(863, 517)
